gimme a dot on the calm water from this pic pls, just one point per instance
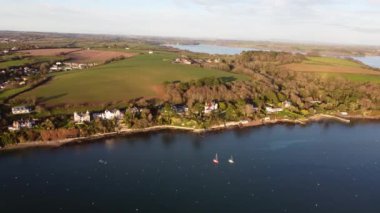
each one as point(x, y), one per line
point(317, 168)
point(373, 61)
point(212, 49)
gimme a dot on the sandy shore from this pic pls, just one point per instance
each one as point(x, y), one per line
point(228, 125)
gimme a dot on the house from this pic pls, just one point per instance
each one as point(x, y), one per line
point(286, 104)
point(17, 125)
point(80, 118)
point(180, 109)
point(150, 52)
point(270, 110)
point(21, 110)
point(315, 102)
point(184, 60)
point(210, 107)
point(56, 68)
point(109, 115)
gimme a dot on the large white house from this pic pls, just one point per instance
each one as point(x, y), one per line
point(18, 110)
point(80, 118)
point(109, 115)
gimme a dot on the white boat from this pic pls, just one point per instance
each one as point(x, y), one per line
point(215, 160)
point(231, 160)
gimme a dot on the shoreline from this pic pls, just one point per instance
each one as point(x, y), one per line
point(226, 126)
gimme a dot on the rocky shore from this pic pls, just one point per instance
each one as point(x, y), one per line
point(227, 125)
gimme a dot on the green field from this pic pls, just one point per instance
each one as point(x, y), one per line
point(29, 60)
point(7, 93)
point(139, 76)
point(331, 62)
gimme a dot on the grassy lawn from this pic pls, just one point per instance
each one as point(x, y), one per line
point(336, 67)
point(331, 62)
point(13, 63)
point(139, 76)
point(5, 94)
point(29, 60)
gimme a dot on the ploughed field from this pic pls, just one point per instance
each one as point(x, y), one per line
point(336, 67)
point(138, 76)
point(79, 55)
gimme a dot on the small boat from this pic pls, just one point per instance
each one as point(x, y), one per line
point(231, 160)
point(215, 160)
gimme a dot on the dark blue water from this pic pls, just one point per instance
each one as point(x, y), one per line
point(317, 168)
point(212, 49)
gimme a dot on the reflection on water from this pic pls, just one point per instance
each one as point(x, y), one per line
point(321, 167)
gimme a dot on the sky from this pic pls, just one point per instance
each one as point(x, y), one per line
point(318, 21)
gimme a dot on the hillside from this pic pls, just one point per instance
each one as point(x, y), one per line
point(139, 76)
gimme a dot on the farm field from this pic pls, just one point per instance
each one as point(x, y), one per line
point(139, 76)
point(330, 65)
point(49, 52)
point(29, 60)
point(336, 67)
point(79, 55)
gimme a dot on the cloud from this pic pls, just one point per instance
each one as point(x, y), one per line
point(350, 21)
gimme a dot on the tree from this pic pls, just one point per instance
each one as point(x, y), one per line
point(44, 68)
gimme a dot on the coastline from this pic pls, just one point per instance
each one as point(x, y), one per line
point(227, 125)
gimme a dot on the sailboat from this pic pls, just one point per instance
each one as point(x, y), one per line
point(215, 160)
point(231, 160)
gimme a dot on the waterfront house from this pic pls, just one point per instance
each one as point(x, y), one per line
point(270, 110)
point(286, 104)
point(180, 109)
point(17, 125)
point(80, 118)
point(18, 110)
point(109, 115)
point(315, 102)
point(210, 107)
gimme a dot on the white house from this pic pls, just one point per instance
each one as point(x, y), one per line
point(150, 52)
point(80, 118)
point(17, 125)
point(109, 115)
point(273, 110)
point(21, 110)
point(287, 104)
point(210, 106)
